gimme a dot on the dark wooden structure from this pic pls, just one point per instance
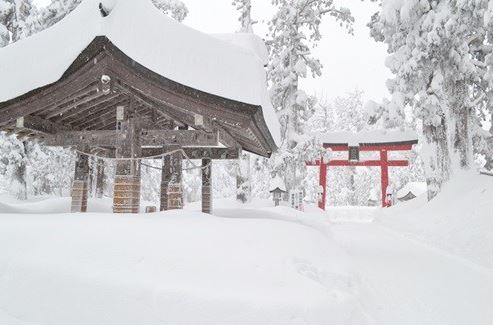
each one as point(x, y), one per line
point(383, 148)
point(109, 103)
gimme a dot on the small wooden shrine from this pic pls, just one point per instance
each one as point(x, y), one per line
point(136, 100)
point(381, 142)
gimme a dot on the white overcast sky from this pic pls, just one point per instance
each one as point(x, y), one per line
point(350, 62)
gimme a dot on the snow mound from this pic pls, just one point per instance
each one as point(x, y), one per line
point(416, 188)
point(459, 220)
point(250, 266)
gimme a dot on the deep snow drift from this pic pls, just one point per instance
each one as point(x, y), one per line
point(251, 264)
point(261, 266)
point(459, 220)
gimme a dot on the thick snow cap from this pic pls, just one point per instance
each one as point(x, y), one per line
point(149, 37)
point(277, 183)
point(375, 136)
point(248, 41)
point(416, 188)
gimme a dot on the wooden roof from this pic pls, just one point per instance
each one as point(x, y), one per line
point(103, 77)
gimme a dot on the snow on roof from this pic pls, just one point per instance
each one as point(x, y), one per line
point(142, 32)
point(417, 188)
point(374, 136)
point(248, 41)
point(277, 182)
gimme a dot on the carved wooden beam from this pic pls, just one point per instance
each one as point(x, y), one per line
point(149, 138)
point(153, 138)
point(108, 138)
point(37, 124)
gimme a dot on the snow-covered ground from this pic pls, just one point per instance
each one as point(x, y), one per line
point(459, 220)
point(402, 281)
point(416, 263)
point(246, 266)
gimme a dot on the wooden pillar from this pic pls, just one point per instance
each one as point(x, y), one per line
point(207, 186)
point(384, 176)
point(175, 187)
point(126, 197)
point(165, 178)
point(99, 178)
point(323, 183)
point(80, 184)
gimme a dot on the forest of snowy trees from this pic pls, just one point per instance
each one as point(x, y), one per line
point(440, 54)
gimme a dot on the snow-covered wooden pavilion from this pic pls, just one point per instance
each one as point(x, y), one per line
point(122, 79)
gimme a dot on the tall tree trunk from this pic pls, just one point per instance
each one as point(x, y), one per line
point(243, 186)
point(437, 162)
point(20, 175)
point(462, 137)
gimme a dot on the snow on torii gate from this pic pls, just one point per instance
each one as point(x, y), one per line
point(376, 141)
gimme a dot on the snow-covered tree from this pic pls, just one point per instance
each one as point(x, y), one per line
point(18, 19)
point(294, 30)
point(174, 8)
point(245, 19)
point(437, 55)
point(242, 168)
point(56, 11)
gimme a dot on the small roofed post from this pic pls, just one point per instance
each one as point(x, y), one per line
point(80, 184)
point(126, 197)
point(207, 186)
point(278, 189)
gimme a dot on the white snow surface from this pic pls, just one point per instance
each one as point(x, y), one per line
point(459, 220)
point(415, 263)
point(374, 136)
point(417, 188)
point(248, 41)
point(154, 40)
point(244, 266)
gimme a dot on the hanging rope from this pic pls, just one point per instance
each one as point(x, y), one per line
point(183, 169)
point(90, 155)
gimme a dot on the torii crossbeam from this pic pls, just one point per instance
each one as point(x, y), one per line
point(354, 144)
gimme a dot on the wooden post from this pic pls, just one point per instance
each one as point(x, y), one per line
point(126, 197)
point(80, 186)
point(165, 178)
point(99, 178)
point(207, 186)
point(384, 176)
point(175, 187)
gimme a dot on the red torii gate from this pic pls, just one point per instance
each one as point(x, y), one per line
point(353, 160)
